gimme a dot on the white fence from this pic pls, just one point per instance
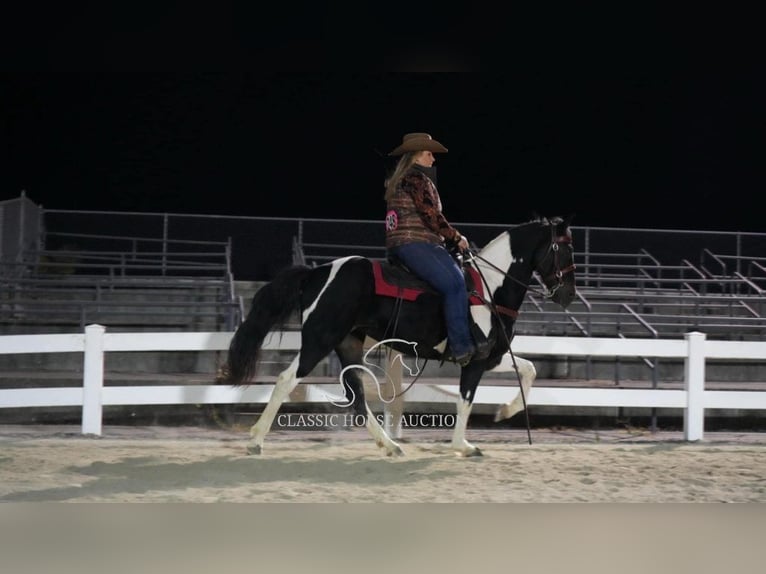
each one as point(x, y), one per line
point(92, 396)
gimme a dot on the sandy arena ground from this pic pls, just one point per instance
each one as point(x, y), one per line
point(189, 464)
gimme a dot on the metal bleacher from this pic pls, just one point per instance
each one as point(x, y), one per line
point(640, 297)
point(178, 272)
point(141, 287)
point(632, 293)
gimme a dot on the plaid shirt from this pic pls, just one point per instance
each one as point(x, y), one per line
point(414, 213)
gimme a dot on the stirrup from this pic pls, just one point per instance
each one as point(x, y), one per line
point(462, 359)
point(483, 346)
point(482, 350)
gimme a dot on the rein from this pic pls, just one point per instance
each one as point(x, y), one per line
point(558, 274)
point(496, 309)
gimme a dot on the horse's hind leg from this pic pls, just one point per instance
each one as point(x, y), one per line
point(393, 408)
point(381, 437)
point(528, 373)
point(286, 382)
point(350, 353)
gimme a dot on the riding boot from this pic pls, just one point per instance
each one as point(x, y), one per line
point(483, 346)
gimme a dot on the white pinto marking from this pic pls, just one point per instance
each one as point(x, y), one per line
point(482, 316)
point(499, 253)
point(461, 446)
point(286, 382)
point(528, 375)
point(380, 436)
point(336, 265)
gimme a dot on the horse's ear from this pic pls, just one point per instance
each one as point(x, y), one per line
point(534, 216)
point(568, 219)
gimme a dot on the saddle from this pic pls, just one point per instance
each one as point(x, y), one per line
point(394, 279)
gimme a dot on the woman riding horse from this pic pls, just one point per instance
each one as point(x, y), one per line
point(417, 234)
point(339, 307)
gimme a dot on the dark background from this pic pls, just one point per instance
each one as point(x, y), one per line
point(639, 119)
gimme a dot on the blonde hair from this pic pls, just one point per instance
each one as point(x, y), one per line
point(404, 163)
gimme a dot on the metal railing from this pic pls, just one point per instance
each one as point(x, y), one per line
point(636, 267)
point(121, 280)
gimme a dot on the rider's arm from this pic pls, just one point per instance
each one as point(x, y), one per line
point(427, 202)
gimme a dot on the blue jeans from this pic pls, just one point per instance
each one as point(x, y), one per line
point(435, 265)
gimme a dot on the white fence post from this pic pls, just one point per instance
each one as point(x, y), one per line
point(91, 394)
point(694, 382)
point(93, 379)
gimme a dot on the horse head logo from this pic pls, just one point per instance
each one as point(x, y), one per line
point(367, 367)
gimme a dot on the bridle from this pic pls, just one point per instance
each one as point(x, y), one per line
point(557, 272)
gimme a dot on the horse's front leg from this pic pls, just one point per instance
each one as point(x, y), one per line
point(528, 374)
point(469, 381)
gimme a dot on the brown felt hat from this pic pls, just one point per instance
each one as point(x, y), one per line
point(418, 142)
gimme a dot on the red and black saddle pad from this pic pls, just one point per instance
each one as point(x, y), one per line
point(394, 280)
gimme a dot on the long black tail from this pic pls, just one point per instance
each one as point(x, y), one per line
point(272, 305)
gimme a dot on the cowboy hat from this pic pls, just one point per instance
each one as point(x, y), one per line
point(418, 142)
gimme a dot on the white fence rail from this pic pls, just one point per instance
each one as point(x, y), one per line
point(92, 396)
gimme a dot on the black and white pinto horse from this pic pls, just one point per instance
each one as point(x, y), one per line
point(339, 305)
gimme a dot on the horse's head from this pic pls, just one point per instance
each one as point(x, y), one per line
point(554, 261)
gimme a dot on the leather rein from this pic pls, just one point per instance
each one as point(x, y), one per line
point(558, 272)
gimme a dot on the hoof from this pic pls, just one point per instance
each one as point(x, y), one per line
point(502, 413)
point(506, 412)
point(396, 451)
point(469, 453)
point(254, 449)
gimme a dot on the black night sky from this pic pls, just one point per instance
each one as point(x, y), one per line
point(632, 139)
